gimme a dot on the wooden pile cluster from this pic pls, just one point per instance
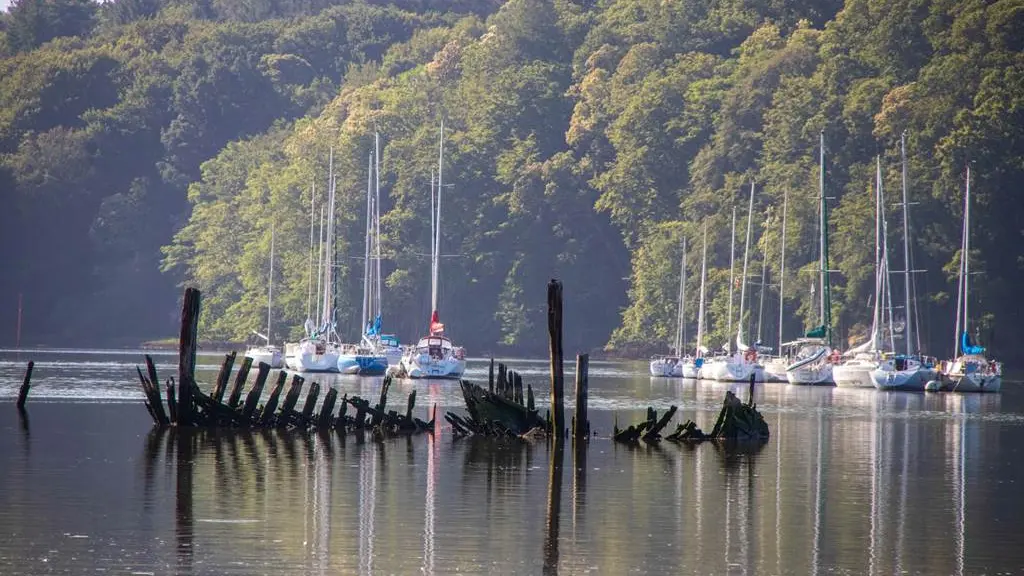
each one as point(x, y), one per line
point(736, 422)
point(211, 410)
point(187, 405)
point(498, 411)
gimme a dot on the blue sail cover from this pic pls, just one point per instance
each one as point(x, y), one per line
point(373, 328)
point(966, 347)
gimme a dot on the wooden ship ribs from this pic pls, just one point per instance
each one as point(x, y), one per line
point(188, 405)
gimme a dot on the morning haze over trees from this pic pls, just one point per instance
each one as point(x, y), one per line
point(150, 143)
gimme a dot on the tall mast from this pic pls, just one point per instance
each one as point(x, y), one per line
point(320, 265)
point(437, 223)
point(703, 276)
point(309, 287)
point(967, 249)
point(826, 312)
point(876, 318)
point(782, 266)
point(732, 262)
point(764, 279)
point(365, 317)
point(960, 273)
point(885, 259)
point(681, 310)
point(327, 309)
point(746, 254)
point(909, 333)
point(376, 222)
point(270, 282)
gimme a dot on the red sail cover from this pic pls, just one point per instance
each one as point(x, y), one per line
point(436, 327)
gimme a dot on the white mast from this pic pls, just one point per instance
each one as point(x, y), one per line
point(270, 282)
point(885, 256)
point(366, 258)
point(320, 264)
point(821, 231)
point(681, 311)
point(309, 288)
point(906, 247)
point(703, 275)
point(732, 262)
point(437, 223)
point(743, 278)
point(764, 279)
point(967, 249)
point(328, 311)
point(376, 223)
point(782, 266)
point(876, 311)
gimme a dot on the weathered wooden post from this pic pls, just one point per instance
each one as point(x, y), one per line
point(187, 355)
point(750, 397)
point(25, 385)
point(236, 388)
point(154, 381)
point(222, 377)
point(490, 377)
point(555, 344)
point(582, 425)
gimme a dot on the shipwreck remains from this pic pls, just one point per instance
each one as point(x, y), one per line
point(188, 406)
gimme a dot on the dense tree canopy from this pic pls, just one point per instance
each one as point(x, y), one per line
point(149, 143)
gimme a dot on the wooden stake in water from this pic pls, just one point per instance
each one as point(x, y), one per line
point(555, 342)
point(187, 354)
point(581, 427)
point(23, 393)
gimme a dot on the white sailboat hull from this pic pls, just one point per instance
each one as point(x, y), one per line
point(853, 376)
point(302, 358)
point(690, 370)
point(270, 356)
point(773, 371)
point(977, 383)
point(425, 366)
point(811, 376)
point(728, 370)
point(666, 367)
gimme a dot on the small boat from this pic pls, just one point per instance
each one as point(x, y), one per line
point(970, 370)
point(672, 366)
point(366, 358)
point(267, 353)
point(434, 356)
point(319, 350)
point(812, 364)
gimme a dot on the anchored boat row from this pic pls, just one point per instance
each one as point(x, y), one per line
point(813, 359)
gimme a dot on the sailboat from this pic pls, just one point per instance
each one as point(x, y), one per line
point(970, 370)
point(738, 366)
point(364, 358)
point(672, 365)
point(267, 353)
point(434, 355)
point(691, 366)
point(903, 371)
point(812, 363)
point(318, 351)
point(862, 360)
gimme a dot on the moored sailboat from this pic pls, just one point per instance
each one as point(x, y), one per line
point(672, 365)
point(691, 367)
point(970, 370)
point(812, 364)
point(267, 353)
point(435, 356)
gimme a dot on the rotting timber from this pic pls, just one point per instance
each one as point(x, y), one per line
point(187, 405)
point(737, 421)
point(500, 410)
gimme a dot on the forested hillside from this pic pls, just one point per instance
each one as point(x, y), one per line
point(146, 143)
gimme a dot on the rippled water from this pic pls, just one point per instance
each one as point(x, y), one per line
point(851, 482)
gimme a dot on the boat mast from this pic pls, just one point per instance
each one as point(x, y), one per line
point(327, 310)
point(876, 311)
point(309, 287)
point(366, 256)
point(743, 278)
point(376, 223)
point(826, 312)
point(887, 283)
point(967, 249)
point(437, 223)
point(764, 277)
point(681, 311)
point(703, 275)
point(732, 262)
point(320, 264)
point(782, 265)
point(960, 274)
point(270, 283)
point(909, 330)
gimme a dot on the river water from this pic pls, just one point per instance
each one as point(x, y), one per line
point(851, 482)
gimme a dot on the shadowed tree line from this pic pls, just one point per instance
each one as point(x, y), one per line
point(144, 144)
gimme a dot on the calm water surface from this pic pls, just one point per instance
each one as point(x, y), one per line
point(851, 482)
